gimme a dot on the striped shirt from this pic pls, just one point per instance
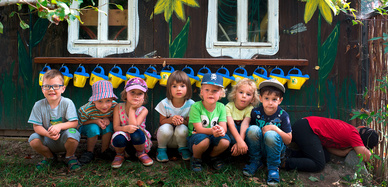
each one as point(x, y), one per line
point(89, 111)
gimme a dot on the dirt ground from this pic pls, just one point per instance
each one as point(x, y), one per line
point(333, 174)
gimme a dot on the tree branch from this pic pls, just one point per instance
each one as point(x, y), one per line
point(11, 2)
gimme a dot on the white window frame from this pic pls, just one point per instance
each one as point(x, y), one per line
point(242, 49)
point(101, 46)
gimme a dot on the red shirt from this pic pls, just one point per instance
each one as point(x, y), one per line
point(335, 133)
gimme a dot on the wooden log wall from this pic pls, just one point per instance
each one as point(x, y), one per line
point(377, 99)
point(342, 82)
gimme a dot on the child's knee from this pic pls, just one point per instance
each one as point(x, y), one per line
point(272, 138)
point(93, 130)
point(205, 143)
point(119, 141)
point(181, 131)
point(165, 131)
point(72, 141)
point(138, 137)
point(253, 132)
point(36, 143)
point(224, 143)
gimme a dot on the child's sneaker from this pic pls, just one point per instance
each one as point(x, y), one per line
point(44, 163)
point(185, 153)
point(273, 177)
point(217, 162)
point(196, 164)
point(145, 159)
point(73, 164)
point(108, 154)
point(250, 170)
point(118, 161)
point(86, 158)
point(161, 155)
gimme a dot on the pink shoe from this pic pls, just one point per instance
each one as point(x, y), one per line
point(118, 161)
point(145, 159)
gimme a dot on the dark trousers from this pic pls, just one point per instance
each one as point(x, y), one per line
point(311, 155)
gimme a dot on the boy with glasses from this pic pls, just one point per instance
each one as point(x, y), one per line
point(54, 120)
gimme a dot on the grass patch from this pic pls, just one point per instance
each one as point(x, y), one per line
point(21, 171)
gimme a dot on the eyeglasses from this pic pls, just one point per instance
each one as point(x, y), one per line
point(54, 86)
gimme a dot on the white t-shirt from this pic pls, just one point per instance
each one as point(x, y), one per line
point(167, 109)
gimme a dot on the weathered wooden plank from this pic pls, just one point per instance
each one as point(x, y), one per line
point(179, 61)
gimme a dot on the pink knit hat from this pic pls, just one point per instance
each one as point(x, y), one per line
point(102, 90)
point(136, 83)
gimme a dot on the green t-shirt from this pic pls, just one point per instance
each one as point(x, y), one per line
point(199, 114)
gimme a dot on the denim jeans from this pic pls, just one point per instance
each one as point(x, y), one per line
point(269, 146)
point(232, 139)
point(195, 139)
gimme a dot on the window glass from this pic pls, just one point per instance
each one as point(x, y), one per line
point(367, 6)
point(257, 20)
point(88, 30)
point(118, 21)
point(227, 20)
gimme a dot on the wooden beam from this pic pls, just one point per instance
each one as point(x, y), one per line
point(172, 61)
point(15, 133)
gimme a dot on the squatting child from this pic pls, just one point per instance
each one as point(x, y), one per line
point(270, 131)
point(96, 118)
point(129, 124)
point(54, 120)
point(242, 98)
point(207, 123)
point(174, 115)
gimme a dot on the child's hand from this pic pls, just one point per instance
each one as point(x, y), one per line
point(101, 123)
point(269, 128)
point(106, 121)
point(234, 150)
point(177, 120)
point(218, 131)
point(130, 128)
point(54, 137)
point(242, 148)
point(136, 104)
point(54, 130)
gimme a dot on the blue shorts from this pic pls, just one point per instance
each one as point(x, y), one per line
point(195, 139)
point(57, 146)
point(92, 130)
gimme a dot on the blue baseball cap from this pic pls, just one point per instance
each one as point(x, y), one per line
point(213, 79)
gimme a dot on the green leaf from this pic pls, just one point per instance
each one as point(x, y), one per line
point(1, 28)
point(314, 179)
point(375, 38)
point(38, 31)
point(354, 117)
point(25, 66)
point(12, 14)
point(53, 2)
point(386, 49)
point(79, 19)
point(327, 55)
point(19, 6)
point(178, 47)
point(24, 25)
point(119, 7)
point(31, 7)
point(385, 36)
